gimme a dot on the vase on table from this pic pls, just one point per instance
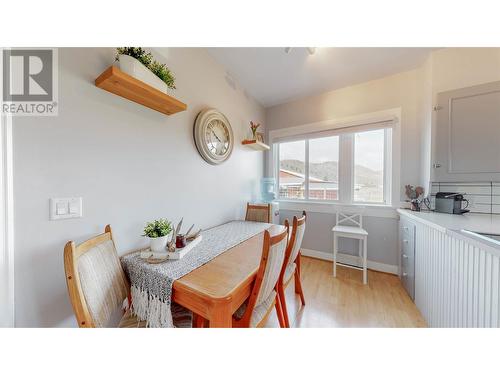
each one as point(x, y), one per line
point(158, 244)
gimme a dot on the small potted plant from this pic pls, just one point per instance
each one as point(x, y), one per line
point(254, 127)
point(157, 231)
point(138, 63)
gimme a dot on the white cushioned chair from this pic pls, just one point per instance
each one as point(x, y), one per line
point(291, 266)
point(255, 311)
point(98, 286)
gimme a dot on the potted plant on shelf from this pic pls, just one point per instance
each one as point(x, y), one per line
point(138, 63)
point(254, 127)
point(157, 231)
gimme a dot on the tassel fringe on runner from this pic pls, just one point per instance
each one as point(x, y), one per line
point(157, 313)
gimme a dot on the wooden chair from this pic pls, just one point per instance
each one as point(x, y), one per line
point(255, 311)
point(258, 212)
point(291, 266)
point(98, 287)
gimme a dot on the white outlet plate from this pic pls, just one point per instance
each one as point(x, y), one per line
point(68, 208)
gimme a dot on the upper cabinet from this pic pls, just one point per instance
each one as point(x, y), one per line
point(467, 134)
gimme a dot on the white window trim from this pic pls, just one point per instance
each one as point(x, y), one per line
point(6, 224)
point(339, 125)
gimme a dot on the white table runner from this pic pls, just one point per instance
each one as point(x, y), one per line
point(151, 284)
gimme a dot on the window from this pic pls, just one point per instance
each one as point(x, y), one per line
point(292, 170)
point(347, 167)
point(369, 166)
point(324, 168)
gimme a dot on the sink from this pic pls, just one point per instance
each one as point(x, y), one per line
point(490, 237)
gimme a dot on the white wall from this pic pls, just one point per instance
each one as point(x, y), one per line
point(129, 163)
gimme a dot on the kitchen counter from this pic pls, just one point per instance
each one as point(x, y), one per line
point(454, 274)
point(455, 224)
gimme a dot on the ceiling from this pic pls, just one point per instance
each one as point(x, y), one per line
point(273, 77)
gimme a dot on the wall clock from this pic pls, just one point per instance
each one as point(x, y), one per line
point(213, 136)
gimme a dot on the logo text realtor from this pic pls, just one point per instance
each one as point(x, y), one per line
point(29, 85)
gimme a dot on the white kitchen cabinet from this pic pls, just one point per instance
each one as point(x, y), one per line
point(467, 134)
point(457, 279)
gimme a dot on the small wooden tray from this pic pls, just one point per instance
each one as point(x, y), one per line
point(160, 257)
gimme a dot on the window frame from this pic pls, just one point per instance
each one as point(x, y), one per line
point(345, 129)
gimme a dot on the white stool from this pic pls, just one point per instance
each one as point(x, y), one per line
point(355, 231)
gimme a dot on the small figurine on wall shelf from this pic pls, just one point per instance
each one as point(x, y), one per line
point(254, 127)
point(415, 195)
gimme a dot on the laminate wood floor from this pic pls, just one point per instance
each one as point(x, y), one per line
point(345, 302)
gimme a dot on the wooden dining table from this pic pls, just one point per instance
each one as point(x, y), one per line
point(217, 289)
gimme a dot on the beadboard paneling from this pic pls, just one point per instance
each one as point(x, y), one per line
point(456, 283)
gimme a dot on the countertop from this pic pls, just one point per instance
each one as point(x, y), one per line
point(455, 224)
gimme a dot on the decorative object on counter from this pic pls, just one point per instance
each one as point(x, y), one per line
point(415, 195)
point(213, 136)
point(157, 74)
point(254, 127)
point(157, 231)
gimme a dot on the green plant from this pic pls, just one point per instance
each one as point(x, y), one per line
point(163, 73)
point(146, 58)
point(137, 53)
point(157, 228)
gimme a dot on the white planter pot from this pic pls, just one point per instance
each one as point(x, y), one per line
point(158, 244)
point(136, 69)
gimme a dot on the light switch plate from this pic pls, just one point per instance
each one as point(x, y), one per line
point(65, 208)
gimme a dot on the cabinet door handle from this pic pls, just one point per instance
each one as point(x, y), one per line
point(405, 256)
point(405, 241)
point(405, 274)
point(405, 228)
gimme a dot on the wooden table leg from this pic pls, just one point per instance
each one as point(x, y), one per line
point(221, 315)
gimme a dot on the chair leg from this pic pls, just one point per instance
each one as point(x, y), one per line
point(281, 296)
point(335, 245)
point(279, 312)
point(297, 273)
point(298, 288)
point(365, 261)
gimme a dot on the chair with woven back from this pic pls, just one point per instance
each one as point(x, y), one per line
point(291, 265)
point(264, 296)
point(98, 287)
point(258, 212)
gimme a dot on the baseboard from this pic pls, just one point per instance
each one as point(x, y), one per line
point(352, 260)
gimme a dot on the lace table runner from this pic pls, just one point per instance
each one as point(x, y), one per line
point(151, 284)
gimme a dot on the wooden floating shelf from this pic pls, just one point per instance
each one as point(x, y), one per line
point(128, 87)
point(256, 145)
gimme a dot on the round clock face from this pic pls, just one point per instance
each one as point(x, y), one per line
point(213, 136)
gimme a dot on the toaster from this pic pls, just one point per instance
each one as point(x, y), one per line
point(450, 203)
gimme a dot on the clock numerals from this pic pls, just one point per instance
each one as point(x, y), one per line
point(217, 138)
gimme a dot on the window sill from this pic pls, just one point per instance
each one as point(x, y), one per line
point(374, 210)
